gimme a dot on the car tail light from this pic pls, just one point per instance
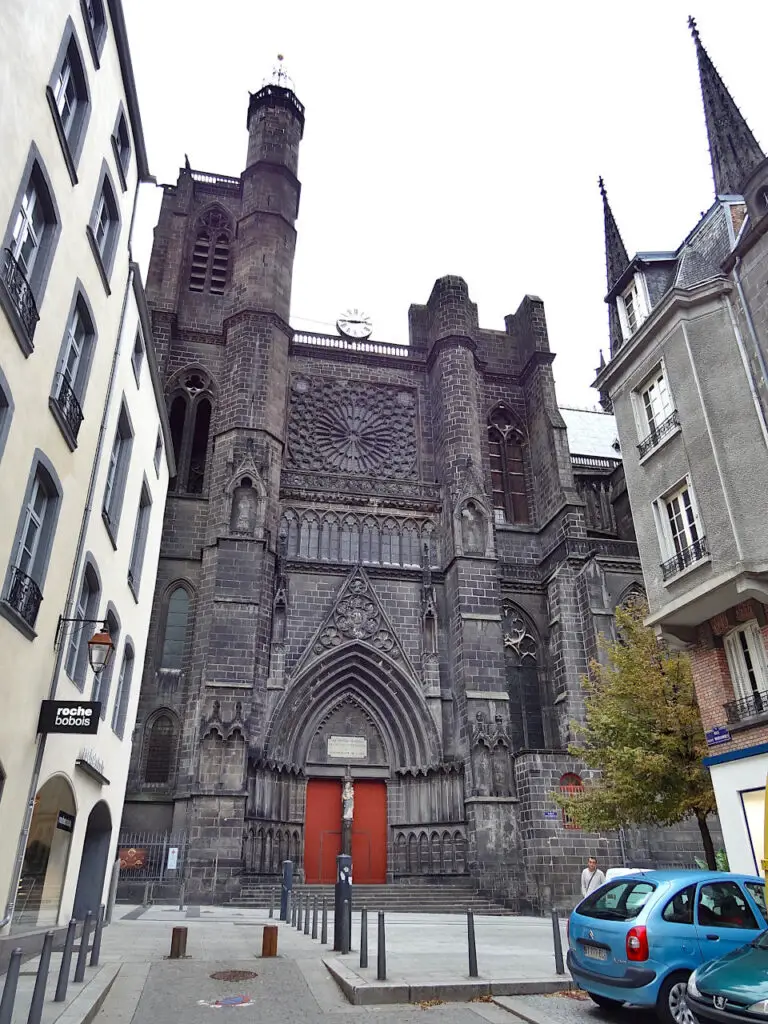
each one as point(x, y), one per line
point(637, 943)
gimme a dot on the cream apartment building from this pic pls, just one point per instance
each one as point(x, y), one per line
point(84, 459)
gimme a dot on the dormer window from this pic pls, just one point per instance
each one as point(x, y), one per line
point(633, 307)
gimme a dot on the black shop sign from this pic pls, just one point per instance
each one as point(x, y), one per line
point(64, 821)
point(76, 716)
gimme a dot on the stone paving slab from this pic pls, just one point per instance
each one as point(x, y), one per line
point(540, 1009)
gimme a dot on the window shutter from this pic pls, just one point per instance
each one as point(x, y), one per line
point(736, 665)
point(757, 647)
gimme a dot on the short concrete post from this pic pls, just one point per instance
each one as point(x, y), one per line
point(346, 921)
point(299, 914)
point(9, 989)
point(314, 918)
point(471, 944)
point(324, 927)
point(38, 996)
point(66, 961)
point(559, 965)
point(364, 937)
point(96, 949)
point(82, 953)
point(381, 951)
point(178, 944)
point(269, 940)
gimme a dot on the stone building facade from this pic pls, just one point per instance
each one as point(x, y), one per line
point(687, 381)
point(379, 561)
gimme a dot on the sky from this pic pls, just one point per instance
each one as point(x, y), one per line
point(456, 137)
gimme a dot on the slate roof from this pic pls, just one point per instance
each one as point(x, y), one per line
point(590, 432)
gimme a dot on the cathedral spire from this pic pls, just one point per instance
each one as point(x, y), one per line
point(733, 149)
point(616, 258)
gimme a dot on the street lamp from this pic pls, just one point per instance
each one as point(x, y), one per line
point(100, 648)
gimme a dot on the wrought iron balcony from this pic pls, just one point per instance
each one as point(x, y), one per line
point(685, 557)
point(20, 293)
point(68, 405)
point(658, 433)
point(24, 596)
point(747, 707)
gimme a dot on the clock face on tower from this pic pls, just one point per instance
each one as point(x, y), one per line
point(355, 324)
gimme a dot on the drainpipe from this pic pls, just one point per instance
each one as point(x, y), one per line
point(21, 847)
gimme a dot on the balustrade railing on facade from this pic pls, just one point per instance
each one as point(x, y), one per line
point(20, 293)
point(684, 558)
point(24, 596)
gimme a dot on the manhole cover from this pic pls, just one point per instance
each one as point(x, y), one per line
point(233, 975)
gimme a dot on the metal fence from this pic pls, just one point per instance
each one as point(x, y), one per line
point(152, 866)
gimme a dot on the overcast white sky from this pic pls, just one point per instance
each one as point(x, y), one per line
point(447, 137)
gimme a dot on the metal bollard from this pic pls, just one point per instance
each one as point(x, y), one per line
point(299, 915)
point(178, 944)
point(82, 953)
point(271, 902)
point(324, 928)
point(288, 909)
point(96, 948)
point(559, 965)
point(306, 914)
point(364, 937)
point(9, 989)
point(38, 996)
point(381, 951)
point(314, 918)
point(345, 927)
point(66, 962)
point(293, 901)
point(146, 894)
point(471, 944)
point(182, 894)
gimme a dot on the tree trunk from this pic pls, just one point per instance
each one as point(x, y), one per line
point(706, 841)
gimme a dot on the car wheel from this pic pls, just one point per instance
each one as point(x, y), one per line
point(671, 1004)
point(605, 1002)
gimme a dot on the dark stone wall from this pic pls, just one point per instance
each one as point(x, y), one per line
point(347, 574)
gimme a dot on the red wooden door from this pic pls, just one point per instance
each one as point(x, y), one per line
point(322, 830)
point(369, 832)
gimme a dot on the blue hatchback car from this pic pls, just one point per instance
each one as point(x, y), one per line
point(637, 938)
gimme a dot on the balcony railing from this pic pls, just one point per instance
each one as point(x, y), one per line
point(24, 596)
point(747, 707)
point(20, 293)
point(685, 557)
point(68, 405)
point(658, 433)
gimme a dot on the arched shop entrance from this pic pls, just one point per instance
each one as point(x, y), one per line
point(46, 853)
point(93, 863)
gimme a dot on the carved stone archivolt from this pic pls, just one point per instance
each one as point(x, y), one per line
point(352, 427)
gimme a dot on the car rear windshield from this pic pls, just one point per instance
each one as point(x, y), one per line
point(621, 900)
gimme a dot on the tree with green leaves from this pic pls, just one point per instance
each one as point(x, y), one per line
point(643, 733)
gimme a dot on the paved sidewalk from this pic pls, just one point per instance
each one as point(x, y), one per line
point(144, 987)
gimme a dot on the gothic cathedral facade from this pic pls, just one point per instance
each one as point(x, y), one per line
point(379, 562)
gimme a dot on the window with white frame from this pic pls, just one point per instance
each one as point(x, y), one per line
point(123, 692)
point(140, 539)
point(655, 411)
point(632, 307)
point(104, 228)
point(121, 143)
point(102, 681)
point(29, 229)
point(68, 99)
point(95, 26)
point(682, 537)
point(745, 654)
point(73, 370)
point(158, 450)
point(117, 471)
point(76, 662)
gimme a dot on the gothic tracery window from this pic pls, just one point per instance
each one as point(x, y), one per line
point(189, 416)
point(521, 654)
point(507, 457)
point(210, 255)
point(160, 751)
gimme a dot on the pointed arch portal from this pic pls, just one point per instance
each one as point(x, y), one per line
point(352, 710)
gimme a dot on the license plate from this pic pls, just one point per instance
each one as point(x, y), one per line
point(595, 953)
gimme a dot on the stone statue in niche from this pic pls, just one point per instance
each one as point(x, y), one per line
point(244, 507)
point(481, 755)
point(472, 529)
point(500, 770)
point(347, 801)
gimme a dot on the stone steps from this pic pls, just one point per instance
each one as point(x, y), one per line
point(449, 898)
